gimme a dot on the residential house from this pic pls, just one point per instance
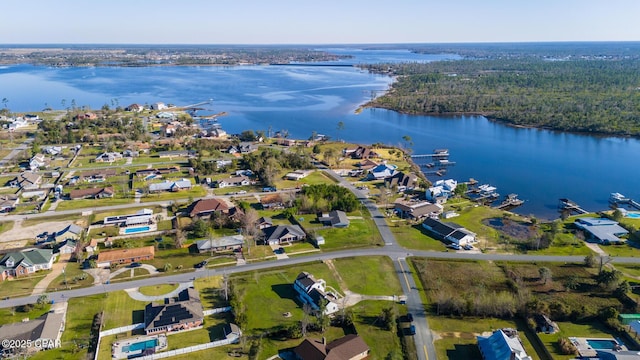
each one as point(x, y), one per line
point(70, 232)
point(130, 153)
point(52, 150)
point(297, 175)
point(360, 152)
point(146, 173)
point(68, 247)
point(176, 153)
point(34, 194)
point(349, 347)
point(39, 334)
point(96, 176)
point(27, 181)
point(134, 108)
point(168, 185)
point(158, 106)
point(39, 161)
point(286, 142)
point(264, 222)
point(545, 325)
point(8, 202)
point(125, 256)
point(617, 354)
point(183, 312)
point(143, 216)
point(272, 201)
point(280, 234)
point(226, 243)
point(217, 132)
point(311, 291)
point(17, 123)
point(87, 116)
point(92, 193)
point(450, 232)
point(108, 157)
point(381, 172)
point(92, 246)
point(441, 191)
point(402, 181)
point(233, 181)
point(23, 263)
point(416, 209)
point(501, 346)
point(206, 207)
point(367, 164)
point(242, 148)
point(601, 230)
point(335, 218)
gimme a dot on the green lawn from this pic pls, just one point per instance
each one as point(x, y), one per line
point(373, 275)
point(593, 329)
point(161, 289)
point(196, 191)
point(92, 203)
point(359, 233)
point(71, 275)
point(60, 217)
point(209, 288)
point(6, 226)
point(12, 315)
point(21, 286)
point(414, 236)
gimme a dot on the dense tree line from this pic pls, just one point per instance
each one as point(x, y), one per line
point(326, 197)
point(85, 130)
point(266, 163)
point(595, 96)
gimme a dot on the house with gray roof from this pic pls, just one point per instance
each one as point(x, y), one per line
point(169, 185)
point(27, 181)
point(70, 232)
point(601, 230)
point(183, 312)
point(44, 331)
point(449, 232)
point(232, 242)
point(280, 234)
point(335, 218)
point(23, 263)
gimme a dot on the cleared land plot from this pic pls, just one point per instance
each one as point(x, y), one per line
point(373, 275)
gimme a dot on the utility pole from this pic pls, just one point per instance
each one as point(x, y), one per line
point(225, 278)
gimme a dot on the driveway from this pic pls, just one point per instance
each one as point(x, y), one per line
point(150, 268)
point(279, 256)
point(56, 270)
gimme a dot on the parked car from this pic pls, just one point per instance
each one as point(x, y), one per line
point(279, 250)
point(454, 246)
point(468, 247)
point(201, 264)
point(410, 317)
point(135, 265)
point(412, 330)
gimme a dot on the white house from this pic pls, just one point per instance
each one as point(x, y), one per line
point(233, 181)
point(311, 291)
point(381, 172)
point(38, 161)
point(158, 106)
point(297, 175)
point(441, 191)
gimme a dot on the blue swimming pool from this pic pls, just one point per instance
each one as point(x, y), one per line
point(633, 215)
point(602, 344)
point(136, 229)
point(143, 345)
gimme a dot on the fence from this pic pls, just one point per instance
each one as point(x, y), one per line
point(190, 349)
point(122, 329)
point(217, 310)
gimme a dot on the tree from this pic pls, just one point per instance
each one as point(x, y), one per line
point(590, 261)
point(617, 215)
point(167, 267)
point(545, 274)
point(408, 143)
point(180, 238)
point(571, 282)
point(42, 300)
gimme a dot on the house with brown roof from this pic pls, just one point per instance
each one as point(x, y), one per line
point(95, 176)
point(349, 347)
point(183, 312)
point(402, 181)
point(125, 256)
point(92, 193)
point(416, 209)
point(361, 152)
point(206, 207)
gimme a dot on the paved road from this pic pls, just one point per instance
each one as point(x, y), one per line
point(15, 152)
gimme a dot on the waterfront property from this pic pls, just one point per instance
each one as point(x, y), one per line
point(601, 230)
point(503, 344)
point(441, 191)
point(349, 347)
point(313, 291)
point(125, 256)
point(402, 181)
point(381, 172)
point(183, 312)
point(450, 232)
point(416, 210)
point(23, 263)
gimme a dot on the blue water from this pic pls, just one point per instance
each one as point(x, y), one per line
point(147, 344)
point(633, 215)
point(539, 165)
point(602, 344)
point(136, 230)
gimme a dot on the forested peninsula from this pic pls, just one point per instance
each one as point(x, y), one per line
point(599, 96)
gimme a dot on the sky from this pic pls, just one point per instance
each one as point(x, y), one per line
point(315, 22)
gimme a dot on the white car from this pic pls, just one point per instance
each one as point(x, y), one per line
point(454, 246)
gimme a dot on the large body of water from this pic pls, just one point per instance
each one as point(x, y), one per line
point(541, 166)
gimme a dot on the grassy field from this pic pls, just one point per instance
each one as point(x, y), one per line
point(20, 286)
point(71, 275)
point(414, 236)
point(92, 203)
point(155, 290)
point(360, 233)
point(196, 191)
point(61, 217)
point(11, 315)
point(5, 226)
point(210, 288)
point(373, 275)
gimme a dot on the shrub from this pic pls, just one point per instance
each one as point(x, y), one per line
point(566, 346)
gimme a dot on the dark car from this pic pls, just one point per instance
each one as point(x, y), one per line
point(412, 330)
point(410, 317)
point(201, 264)
point(135, 265)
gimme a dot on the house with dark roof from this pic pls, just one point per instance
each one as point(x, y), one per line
point(23, 263)
point(27, 181)
point(183, 312)
point(416, 209)
point(349, 347)
point(402, 181)
point(43, 333)
point(264, 222)
point(601, 230)
point(95, 176)
point(335, 218)
point(280, 234)
point(8, 202)
point(500, 346)
point(92, 193)
point(312, 291)
point(206, 207)
point(450, 232)
point(360, 152)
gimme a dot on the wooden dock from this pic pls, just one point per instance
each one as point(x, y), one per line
point(510, 201)
point(617, 199)
point(568, 205)
point(437, 154)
